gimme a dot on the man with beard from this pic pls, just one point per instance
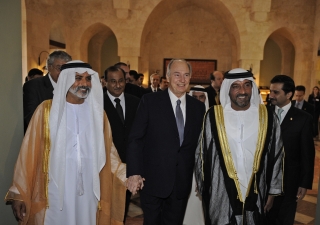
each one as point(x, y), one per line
point(296, 132)
point(239, 156)
point(68, 170)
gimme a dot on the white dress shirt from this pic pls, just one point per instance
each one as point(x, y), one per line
point(54, 84)
point(284, 112)
point(174, 100)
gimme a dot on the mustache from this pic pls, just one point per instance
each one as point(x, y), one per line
point(82, 87)
point(242, 95)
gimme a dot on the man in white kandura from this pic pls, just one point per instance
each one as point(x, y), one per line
point(68, 170)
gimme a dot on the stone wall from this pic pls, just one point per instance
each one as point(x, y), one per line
point(233, 32)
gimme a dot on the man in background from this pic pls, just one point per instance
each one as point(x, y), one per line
point(121, 109)
point(213, 90)
point(154, 81)
point(296, 132)
point(34, 73)
point(163, 83)
point(130, 88)
point(40, 89)
point(299, 101)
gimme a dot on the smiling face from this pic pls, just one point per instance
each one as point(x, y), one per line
point(179, 78)
point(80, 88)
point(115, 83)
point(240, 94)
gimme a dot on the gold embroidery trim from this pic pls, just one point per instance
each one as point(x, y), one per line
point(225, 149)
point(47, 145)
point(202, 143)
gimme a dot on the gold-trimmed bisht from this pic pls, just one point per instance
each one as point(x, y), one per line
point(47, 145)
point(225, 149)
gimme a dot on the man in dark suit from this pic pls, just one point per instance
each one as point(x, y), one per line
point(163, 83)
point(37, 90)
point(154, 80)
point(130, 88)
point(161, 148)
point(299, 101)
point(214, 88)
point(121, 109)
point(296, 131)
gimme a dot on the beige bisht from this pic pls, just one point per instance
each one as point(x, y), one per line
point(31, 174)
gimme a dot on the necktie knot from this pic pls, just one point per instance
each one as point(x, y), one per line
point(117, 100)
point(280, 110)
point(178, 102)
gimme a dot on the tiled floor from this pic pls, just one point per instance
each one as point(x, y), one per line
point(305, 211)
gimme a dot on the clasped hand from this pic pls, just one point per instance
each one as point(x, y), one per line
point(135, 183)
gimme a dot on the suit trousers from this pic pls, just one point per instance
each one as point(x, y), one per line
point(283, 210)
point(163, 211)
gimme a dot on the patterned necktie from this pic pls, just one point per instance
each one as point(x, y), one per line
point(298, 105)
point(119, 109)
point(280, 110)
point(217, 98)
point(179, 121)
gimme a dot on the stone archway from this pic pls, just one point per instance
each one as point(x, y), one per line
point(189, 29)
point(93, 40)
point(279, 56)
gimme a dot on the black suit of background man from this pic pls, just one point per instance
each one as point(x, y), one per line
point(34, 93)
point(216, 79)
point(308, 108)
point(120, 131)
point(296, 132)
point(40, 89)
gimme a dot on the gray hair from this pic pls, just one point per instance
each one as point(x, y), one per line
point(182, 60)
point(154, 74)
point(58, 55)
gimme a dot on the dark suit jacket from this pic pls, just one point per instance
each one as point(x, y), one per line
point(35, 92)
point(154, 150)
point(211, 95)
point(149, 90)
point(307, 107)
point(120, 131)
point(296, 131)
point(134, 90)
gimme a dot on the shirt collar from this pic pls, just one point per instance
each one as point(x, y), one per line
point(174, 98)
point(285, 108)
point(121, 97)
point(54, 84)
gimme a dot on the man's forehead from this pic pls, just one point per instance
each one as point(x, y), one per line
point(241, 81)
point(198, 92)
point(276, 86)
point(83, 74)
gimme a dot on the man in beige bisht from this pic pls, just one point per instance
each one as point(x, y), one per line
point(68, 170)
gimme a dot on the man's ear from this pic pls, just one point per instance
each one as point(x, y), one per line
point(289, 95)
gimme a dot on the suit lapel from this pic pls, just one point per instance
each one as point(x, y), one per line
point(189, 112)
point(290, 116)
point(168, 111)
